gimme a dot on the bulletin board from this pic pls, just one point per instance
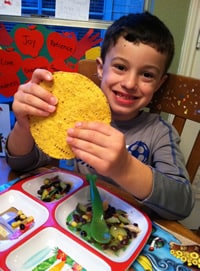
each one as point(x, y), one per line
point(29, 46)
point(47, 43)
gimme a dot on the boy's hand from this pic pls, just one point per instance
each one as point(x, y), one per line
point(99, 145)
point(31, 99)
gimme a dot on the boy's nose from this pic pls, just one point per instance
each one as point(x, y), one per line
point(129, 81)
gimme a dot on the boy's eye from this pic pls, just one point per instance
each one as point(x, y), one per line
point(120, 67)
point(148, 75)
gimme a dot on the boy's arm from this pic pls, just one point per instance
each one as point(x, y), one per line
point(20, 140)
point(30, 99)
point(171, 194)
point(171, 197)
point(162, 183)
point(28, 161)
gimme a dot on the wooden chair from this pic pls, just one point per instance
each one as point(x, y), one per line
point(179, 96)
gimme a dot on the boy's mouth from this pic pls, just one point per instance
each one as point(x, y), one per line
point(125, 96)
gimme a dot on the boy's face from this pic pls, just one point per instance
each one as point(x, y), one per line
point(129, 76)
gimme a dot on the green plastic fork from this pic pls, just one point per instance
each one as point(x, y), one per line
point(99, 230)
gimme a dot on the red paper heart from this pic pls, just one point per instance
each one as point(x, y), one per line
point(61, 65)
point(9, 83)
point(29, 41)
point(61, 45)
point(30, 64)
point(10, 61)
point(5, 37)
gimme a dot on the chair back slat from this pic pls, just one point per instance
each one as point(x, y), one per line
point(193, 162)
point(180, 96)
point(179, 124)
point(89, 69)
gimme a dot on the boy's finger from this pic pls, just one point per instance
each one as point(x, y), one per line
point(96, 126)
point(41, 75)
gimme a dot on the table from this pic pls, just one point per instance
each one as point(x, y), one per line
point(6, 174)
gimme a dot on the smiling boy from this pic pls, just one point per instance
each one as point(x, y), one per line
point(139, 151)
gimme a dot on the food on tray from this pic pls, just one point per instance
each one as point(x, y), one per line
point(121, 229)
point(53, 189)
point(55, 261)
point(79, 99)
point(13, 223)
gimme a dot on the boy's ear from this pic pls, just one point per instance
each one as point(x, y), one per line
point(162, 80)
point(99, 67)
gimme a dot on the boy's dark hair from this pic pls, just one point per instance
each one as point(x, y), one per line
point(140, 28)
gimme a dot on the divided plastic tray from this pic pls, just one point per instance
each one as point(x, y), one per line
point(50, 236)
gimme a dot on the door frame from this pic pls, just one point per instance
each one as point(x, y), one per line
point(190, 39)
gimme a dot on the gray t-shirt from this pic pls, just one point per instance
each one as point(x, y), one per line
point(153, 141)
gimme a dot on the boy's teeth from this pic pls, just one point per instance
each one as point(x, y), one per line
point(125, 96)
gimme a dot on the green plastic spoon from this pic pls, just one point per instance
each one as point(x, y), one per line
point(98, 227)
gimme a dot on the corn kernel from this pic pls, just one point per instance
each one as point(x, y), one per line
point(22, 217)
point(85, 217)
point(46, 181)
point(16, 224)
point(120, 237)
point(74, 224)
point(29, 219)
point(19, 212)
